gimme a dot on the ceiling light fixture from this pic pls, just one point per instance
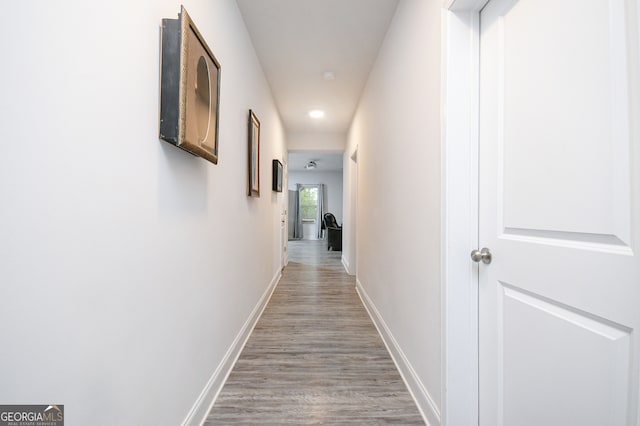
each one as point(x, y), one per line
point(316, 113)
point(311, 165)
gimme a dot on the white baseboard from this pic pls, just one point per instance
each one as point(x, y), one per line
point(208, 396)
point(345, 263)
point(425, 403)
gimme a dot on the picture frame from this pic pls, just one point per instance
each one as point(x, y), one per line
point(189, 89)
point(277, 176)
point(254, 155)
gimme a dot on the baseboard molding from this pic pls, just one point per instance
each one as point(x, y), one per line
point(208, 396)
point(345, 264)
point(425, 403)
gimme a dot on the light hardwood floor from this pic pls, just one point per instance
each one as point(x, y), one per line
point(314, 357)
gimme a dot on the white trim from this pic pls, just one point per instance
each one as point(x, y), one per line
point(460, 89)
point(198, 413)
point(473, 6)
point(345, 264)
point(426, 405)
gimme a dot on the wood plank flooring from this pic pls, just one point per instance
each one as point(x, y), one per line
point(314, 357)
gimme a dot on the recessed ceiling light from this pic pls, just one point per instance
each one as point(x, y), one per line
point(316, 113)
point(329, 75)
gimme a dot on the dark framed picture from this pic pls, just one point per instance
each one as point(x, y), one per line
point(254, 155)
point(277, 176)
point(190, 89)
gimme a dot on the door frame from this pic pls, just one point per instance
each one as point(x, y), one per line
point(284, 215)
point(460, 112)
point(351, 169)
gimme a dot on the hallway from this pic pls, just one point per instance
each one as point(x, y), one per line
point(151, 265)
point(314, 356)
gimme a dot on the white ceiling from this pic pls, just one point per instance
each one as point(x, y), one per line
point(298, 40)
point(326, 161)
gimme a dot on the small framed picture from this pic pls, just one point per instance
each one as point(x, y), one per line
point(254, 155)
point(277, 176)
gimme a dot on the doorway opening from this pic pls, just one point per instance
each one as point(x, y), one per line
point(315, 188)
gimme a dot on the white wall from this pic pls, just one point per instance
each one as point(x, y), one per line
point(123, 260)
point(397, 131)
point(316, 141)
point(333, 188)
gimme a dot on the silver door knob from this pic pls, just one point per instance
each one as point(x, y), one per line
point(483, 255)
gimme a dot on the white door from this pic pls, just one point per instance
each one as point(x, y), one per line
point(559, 308)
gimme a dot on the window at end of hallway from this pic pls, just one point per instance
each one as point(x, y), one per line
point(309, 204)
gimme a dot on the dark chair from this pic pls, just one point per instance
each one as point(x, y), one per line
point(334, 232)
